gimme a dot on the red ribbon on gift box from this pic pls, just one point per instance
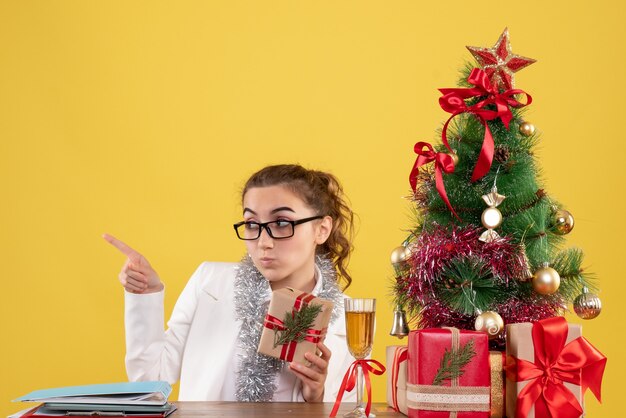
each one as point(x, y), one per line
point(349, 382)
point(312, 335)
point(578, 362)
point(453, 101)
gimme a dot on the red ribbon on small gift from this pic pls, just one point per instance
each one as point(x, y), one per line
point(349, 382)
point(401, 354)
point(312, 335)
point(578, 362)
point(453, 101)
point(443, 163)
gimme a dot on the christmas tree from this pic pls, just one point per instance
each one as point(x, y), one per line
point(487, 248)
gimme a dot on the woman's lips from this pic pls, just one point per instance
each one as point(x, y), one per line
point(266, 261)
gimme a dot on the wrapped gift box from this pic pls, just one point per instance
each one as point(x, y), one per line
point(549, 365)
point(519, 344)
point(289, 301)
point(396, 377)
point(466, 396)
point(496, 362)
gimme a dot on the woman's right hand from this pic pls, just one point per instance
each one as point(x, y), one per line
point(137, 275)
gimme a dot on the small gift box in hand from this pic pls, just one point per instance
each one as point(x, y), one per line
point(296, 321)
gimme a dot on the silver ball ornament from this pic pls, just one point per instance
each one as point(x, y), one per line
point(587, 305)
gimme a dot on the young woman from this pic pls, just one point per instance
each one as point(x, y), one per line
point(297, 229)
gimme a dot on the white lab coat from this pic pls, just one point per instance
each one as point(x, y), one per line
point(199, 347)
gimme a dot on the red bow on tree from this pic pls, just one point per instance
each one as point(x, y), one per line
point(578, 362)
point(453, 101)
point(443, 162)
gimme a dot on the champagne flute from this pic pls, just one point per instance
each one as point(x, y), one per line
point(360, 315)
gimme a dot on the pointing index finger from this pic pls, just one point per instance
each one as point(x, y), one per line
point(124, 249)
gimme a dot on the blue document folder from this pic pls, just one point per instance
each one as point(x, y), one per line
point(127, 393)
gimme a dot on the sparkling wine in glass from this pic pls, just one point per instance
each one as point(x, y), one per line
point(360, 316)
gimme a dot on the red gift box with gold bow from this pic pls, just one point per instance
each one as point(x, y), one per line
point(448, 374)
point(549, 368)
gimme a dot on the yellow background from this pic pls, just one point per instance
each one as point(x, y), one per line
point(144, 118)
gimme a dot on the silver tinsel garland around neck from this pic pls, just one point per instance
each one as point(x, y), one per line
point(256, 375)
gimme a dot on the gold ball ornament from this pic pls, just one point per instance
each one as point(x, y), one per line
point(399, 255)
point(546, 280)
point(526, 128)
point(587, 305)
point(490, 322)
point(491, 218)
point(563, 222)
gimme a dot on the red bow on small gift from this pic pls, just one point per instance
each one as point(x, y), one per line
point(314, 336)
point(578, 362)
point(453, 101)
point(443, 162)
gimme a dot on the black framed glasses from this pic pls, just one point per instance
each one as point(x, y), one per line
point(280, 229)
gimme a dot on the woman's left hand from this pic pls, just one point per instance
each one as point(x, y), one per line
point(314, 376)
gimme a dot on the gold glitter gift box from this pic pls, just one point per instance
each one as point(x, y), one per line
point(497, 361)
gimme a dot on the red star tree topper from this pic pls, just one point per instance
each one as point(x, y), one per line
point(499, 62)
